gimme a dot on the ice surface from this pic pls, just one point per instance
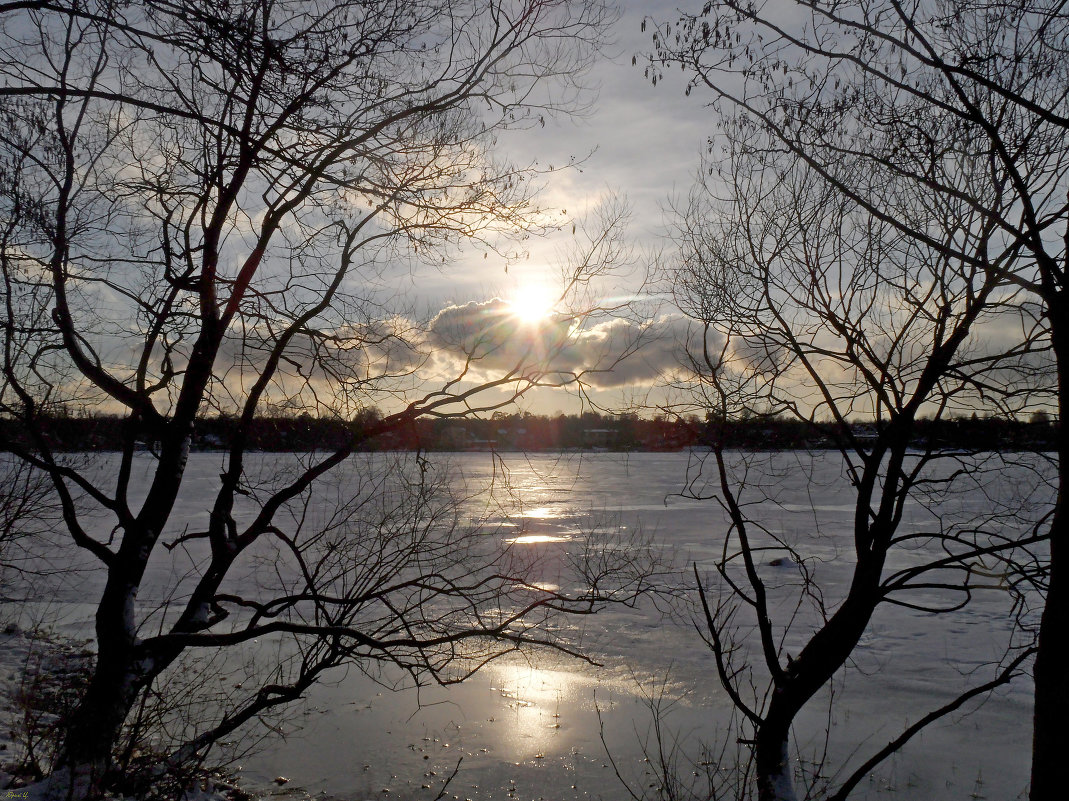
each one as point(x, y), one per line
point(533, 727)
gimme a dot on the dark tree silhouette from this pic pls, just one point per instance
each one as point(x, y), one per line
point(810, 307)
point(199, 201)
point(882, 98)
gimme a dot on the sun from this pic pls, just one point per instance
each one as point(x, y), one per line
point(533, 303)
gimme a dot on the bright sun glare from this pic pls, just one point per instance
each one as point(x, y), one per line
point(533, 304)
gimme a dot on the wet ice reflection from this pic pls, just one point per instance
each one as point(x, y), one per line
point(532, 539)
point(538, 703)
point(541, 513)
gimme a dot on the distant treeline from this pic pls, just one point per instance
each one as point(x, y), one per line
point(526, 432)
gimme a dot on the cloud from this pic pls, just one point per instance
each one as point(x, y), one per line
point(490, 338)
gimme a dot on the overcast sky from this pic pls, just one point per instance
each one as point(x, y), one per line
point(637, 141)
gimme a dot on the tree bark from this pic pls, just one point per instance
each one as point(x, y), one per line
point(96, 725)
point(772, 763)
point(1050, 733)
point(97, 721)
point(121, 672)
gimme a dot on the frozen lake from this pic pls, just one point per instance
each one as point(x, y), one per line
point(534, 727)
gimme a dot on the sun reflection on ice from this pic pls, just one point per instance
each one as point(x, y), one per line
point(535, 515)
point(540, 513)
point(537, 704)
point(532, 539)
point(545, 586)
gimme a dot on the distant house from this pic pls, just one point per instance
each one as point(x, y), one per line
point(459, 438)
point(864, 432)
point(599, 437)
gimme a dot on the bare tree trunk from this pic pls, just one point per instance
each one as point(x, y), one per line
point(97, 722)
point(121, 672)
point(772, 762)
point(96, 725)
point(818, 662)
point(1050, 729)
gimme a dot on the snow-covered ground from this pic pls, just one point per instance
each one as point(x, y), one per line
point(538, 727)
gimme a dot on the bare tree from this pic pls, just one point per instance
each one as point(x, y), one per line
point(812, 307)
point(902, 93)
point(200, 201)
